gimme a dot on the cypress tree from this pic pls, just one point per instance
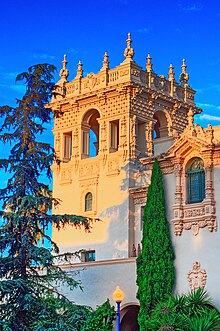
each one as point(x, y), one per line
point(28, 270)
point(155, 269)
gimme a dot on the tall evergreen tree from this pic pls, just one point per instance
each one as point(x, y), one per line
point(155, 269)
point(28, 270)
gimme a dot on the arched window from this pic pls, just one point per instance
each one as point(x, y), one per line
point(90, 133)
point(196, 181)
point(88, 201)
point(161, 125)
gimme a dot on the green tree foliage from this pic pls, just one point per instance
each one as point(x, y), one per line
point(192, 312)
point(28, 270)
point(101, 319)
point(155, 269)
point(59, 314)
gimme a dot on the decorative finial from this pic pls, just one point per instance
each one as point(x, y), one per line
point(171, 73)
point(129, 51)
point(184, 77)
point(79, 70)
point(105, 63)
point(64, 72)
point(190, 118)
point(149, 65)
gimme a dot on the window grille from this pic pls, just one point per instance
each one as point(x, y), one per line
point(196, 181)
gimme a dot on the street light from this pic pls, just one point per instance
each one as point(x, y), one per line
point(118, 296)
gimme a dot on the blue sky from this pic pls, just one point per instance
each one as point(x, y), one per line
point(42, 31)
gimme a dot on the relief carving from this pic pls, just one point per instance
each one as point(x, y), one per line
point(133, 136)
point(149, 134)
point(102, 98)
point(76, 143)
point(123, 137)
point(103, 142)
point(124, 72)
point(57, 145)
point(122, 90)
point(113, 166)
point(139, 195)
point(66, 176)
point(195, 224)
point(89, 170)
point(91, 81)
point(197, 277)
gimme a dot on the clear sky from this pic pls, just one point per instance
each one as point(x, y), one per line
point(40, 31)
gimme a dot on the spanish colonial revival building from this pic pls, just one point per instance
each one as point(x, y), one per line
point(113, 124)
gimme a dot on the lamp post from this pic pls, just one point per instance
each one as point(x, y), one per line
point(118, 296)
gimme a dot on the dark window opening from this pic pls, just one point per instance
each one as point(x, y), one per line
point(67, 146)
point(114, 136)
point(88, 201)
point(88, 256)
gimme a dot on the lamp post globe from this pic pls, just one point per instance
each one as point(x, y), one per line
point(118, 296)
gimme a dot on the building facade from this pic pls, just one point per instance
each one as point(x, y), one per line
point(112, 126)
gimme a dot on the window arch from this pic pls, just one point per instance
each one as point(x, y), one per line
point(196, 181)
point(90, 133)
point(161, 125)
point(88, 201)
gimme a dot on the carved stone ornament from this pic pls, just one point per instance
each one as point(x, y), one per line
point(197, 277)
point(139, 195)
point(91, 81)
point(102, 98)
point(66, 176)
point(129, 51)
point(64, 72)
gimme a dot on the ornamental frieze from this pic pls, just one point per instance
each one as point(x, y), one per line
point(139, 195)
point(89, 169)
point(197, 220)
point(124, 72)
point(194, 212)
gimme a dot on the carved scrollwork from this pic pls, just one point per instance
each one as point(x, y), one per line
point(197, 277)
point(91, 81)
point(194, 224)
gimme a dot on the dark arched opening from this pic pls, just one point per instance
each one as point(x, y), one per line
point(161, 125)
point(90, 133)
point(129, 320)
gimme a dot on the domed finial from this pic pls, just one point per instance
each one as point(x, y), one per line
point(171, 73)
point(105, 63)
point(129, 51)
point(184, 77)
point(79, 70)
point(64, 72)
point(149, 65)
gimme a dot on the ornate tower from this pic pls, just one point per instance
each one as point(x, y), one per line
point(110, 120)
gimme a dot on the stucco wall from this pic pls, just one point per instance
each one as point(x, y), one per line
point(99, 280)
point(109, 236)
point(204, 247)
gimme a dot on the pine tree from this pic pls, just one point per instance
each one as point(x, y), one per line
point(155, 269)
point(28, 270)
